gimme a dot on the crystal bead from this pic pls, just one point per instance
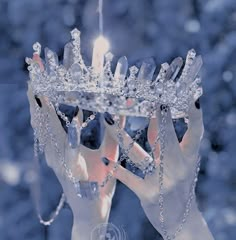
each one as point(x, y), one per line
point(133, 69)
point(109, 56)
point(92, 117)
point(75, 33)
point(28, 60)
point(37, 48)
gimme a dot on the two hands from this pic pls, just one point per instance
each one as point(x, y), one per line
point(180, 162)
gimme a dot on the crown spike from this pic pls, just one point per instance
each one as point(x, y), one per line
point(147, 70)
point(121, 71)
point(51, 59)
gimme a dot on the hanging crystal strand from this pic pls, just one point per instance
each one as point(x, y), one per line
point(73, 130)
point(82, 188)
point(147, 166)
point(36, 190)
point(161, 184)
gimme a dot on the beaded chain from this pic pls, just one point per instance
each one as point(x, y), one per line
point(124, 156)
point(125, 152)
point(161, 181)
point(44, 118)
point(37, 149)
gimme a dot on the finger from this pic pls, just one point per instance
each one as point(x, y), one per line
point(192, 138)
point(165, 126)
point(32, 102)
point(110, 147)
point(153, 137)
point(136, 153)
point(133, 182)
point(169, 144)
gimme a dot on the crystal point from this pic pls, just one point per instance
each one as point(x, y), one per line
point(147, 70)
point(194, 68)
point(68, 57)
point(51, 59)
point(75, 33)
point(175, 67)
point(121, 68)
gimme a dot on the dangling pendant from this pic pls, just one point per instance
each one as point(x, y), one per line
point(86, 189)
point(73, 134)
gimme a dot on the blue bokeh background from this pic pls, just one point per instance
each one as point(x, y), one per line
point(138, 29)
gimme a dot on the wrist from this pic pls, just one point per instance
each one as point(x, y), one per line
point(89, 216)
point(195, 227)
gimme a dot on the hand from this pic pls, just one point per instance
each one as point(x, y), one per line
point(180, 163)
point(85, 164)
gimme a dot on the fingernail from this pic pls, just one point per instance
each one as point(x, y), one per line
point(197, 104)
point(38, 101)
point(164, 107)
point(105, 161)
point(108, 118)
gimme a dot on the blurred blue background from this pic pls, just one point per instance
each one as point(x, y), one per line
point(138, 29)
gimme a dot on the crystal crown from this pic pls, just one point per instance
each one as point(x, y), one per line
point(127, 91)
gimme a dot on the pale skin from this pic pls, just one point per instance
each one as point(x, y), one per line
point(86, 164)
point(180, 160)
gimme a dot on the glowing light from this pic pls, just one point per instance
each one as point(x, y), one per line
point(101, 46)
